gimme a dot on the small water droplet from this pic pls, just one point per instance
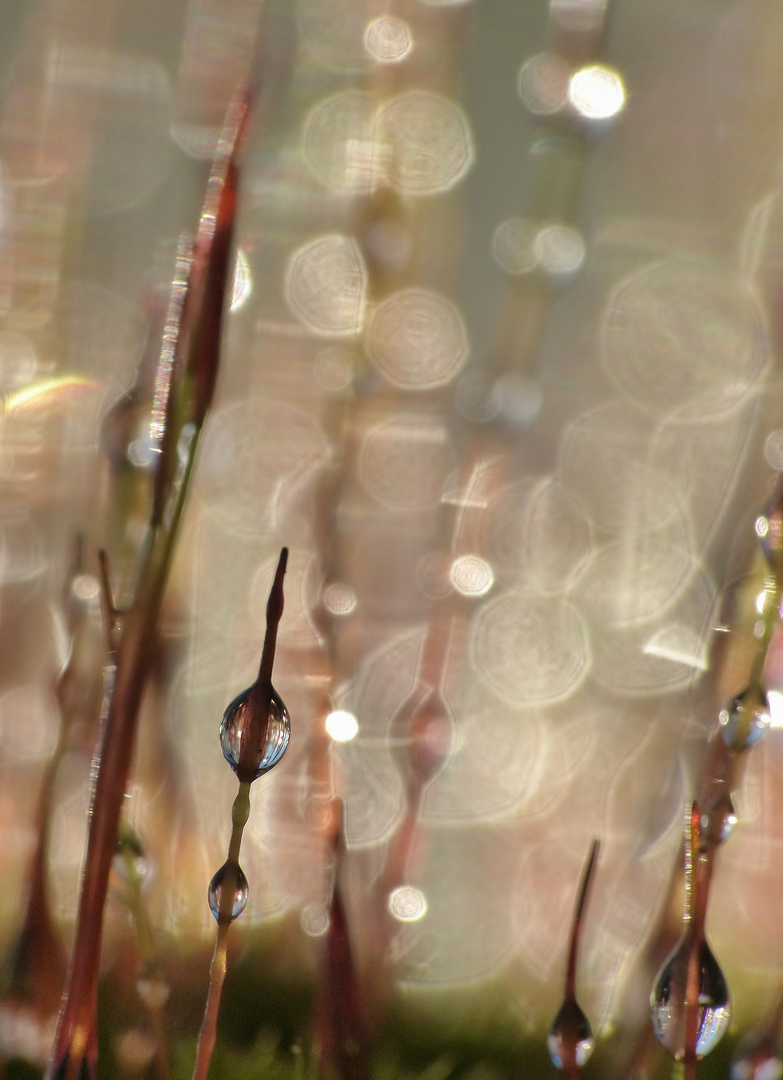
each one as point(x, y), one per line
point(274, 737)
point(570, 1040)
point(131, 862)
point(769, 530)
point(152, 987)
point(745, 719)
point(668, 1015)
point(215, 892)
point(718, 821)
point(757, 1058)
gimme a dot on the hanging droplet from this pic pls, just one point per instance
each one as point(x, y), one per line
point(274, 735)
point(241, 891)
point(668, 1015)
point(757, 1058)
point(745, 719)
point(769, 530)
point(570, 1040)
point(130, 860)
point(717, 823)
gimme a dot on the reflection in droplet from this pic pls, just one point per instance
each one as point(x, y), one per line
point(338, 143)
point(596, 92)
point(326, 286)
point(744, 720)
point(543, 83)
point(559, 250)
point(408, 904)
point(570, 1037)
point(530, 649)
point(718, 821)
point(341, 725)
point(714, 1002)
point(403, 462)
point(241, 892)
point(429, 140)
point(275, 734)
point(418, 340)
point(388, 39)
point(512, 246)
point(339, 598)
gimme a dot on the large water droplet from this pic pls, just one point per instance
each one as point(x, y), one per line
point(274, 737)
point(757, 1058)
point(215, 892)
point(570, 1040)
point(745, 719)
point(668, 1014)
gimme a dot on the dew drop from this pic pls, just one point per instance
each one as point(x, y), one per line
point(668, 1016)
point(717, 822)
point(757, 1058)
point(274, 737)
point(215, 892)
point(570, 1040)
point(130, 860)
point(769, 530)
point(745, 719)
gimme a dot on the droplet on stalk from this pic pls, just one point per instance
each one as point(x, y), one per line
point(718, 822)
point(241, 891)
point(757, 1057)
point(668, 1015)
point(769, 529)
point(570, 1041)
point(745, 719)
point(570, 1038)
point(274, 734)
point(130, 860)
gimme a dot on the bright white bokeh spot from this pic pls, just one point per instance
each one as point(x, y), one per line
point(85, 587)
point(326, 286)
point(388, 40)
point(559, 249)
point(543, 83)
point(596, 92)
point(407, 904)
point(471, 575)
point(341, 725)
point(243, 282)
point(339, 598)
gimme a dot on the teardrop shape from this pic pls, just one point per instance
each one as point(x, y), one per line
point(745, 719)
point(274, 738)
point(570, 1040)
point(757, 1058)
point(241, 891)
point(717, 823)
point(668, 1015)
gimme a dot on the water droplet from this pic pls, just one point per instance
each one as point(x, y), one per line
point(717, 822)
point(570, 1040)
point(130, 860)
point(769, 530)
point(668, 1016)
point(757, 1058)
point(745, 719)
point(274, 736)
point(215, 892)
point(152, 987)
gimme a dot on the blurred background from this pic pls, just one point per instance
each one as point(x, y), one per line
point(501, 371)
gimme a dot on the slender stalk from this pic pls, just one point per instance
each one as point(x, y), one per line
point(190, 393)
point(697, 910)
point(578, 921)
